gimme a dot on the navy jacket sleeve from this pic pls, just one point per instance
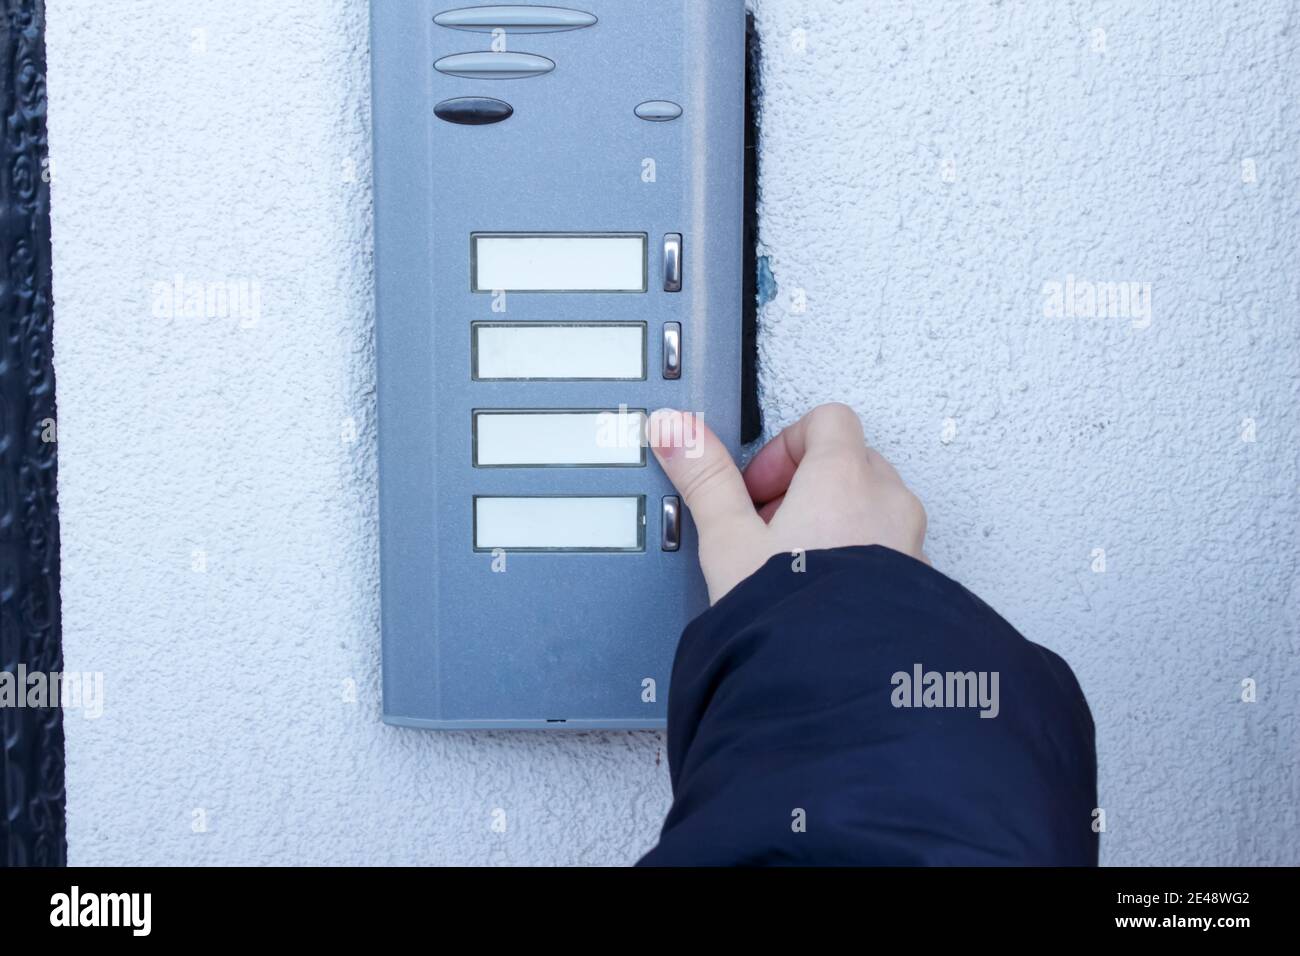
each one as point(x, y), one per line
point(868, 710)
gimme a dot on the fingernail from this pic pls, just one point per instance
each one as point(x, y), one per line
point(664, 423)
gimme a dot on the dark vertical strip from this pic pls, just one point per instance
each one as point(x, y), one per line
point(31, 745)
point(751, 415)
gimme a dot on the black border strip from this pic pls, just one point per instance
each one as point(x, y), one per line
point(33, 829)
point(751, 414)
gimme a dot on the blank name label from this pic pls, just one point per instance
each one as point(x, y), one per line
point(559, 524)
point(559, 352)
point(558, 263)
point(555, 439)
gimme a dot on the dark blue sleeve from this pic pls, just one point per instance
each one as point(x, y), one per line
point(793, 737)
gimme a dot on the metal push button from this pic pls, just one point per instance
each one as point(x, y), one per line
point(672, 350)
point(673, 262)
point(671, 537)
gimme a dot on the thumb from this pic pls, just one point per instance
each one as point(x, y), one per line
point(701, 469)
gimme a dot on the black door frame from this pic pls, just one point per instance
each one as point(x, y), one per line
point(32, 830)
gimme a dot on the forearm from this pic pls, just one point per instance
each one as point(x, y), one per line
point(807, 725)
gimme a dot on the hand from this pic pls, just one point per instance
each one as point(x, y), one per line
point(816, 485)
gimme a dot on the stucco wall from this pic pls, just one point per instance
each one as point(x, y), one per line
point(928, 168)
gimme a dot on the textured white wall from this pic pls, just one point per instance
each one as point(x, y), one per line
point(928, 167)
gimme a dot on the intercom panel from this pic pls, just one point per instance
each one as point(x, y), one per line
point(559, 218)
